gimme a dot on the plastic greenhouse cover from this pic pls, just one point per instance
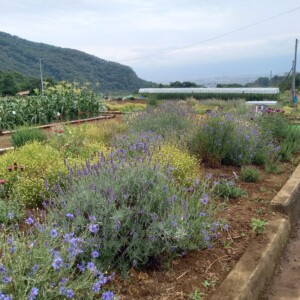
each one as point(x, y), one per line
point(209, 91)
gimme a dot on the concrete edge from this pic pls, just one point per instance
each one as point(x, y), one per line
point(287, 200)
point(250, 275)
point(256, 267)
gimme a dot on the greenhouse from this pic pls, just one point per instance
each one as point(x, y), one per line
point(204, 93)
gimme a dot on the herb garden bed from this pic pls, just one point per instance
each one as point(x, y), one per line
point(205, 270)
point(161, 206)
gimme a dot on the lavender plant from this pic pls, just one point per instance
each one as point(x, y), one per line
point(133, 212)
point(167, 119)
point(44, 263)
point(222, 138)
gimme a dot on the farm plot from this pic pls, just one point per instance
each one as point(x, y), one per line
point(160, 206)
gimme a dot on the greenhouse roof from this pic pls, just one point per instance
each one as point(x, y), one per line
point(209, 91)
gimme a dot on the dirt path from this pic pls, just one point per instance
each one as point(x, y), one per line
point(285, 284)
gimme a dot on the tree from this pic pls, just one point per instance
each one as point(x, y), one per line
point(8, 85)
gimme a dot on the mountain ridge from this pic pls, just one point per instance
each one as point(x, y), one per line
point(21, 55)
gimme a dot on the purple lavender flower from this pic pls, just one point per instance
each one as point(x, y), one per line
point(53, 233)
point(6, 279)
point(92, 218)
point(11, 215)
point(57, 263)
point(34, 269)
point(33, 293)
point(62, 291)
point(95, 254)
point(94, 228)
point(4, 296)
point(204, 200)
point(96, 287)
point(91, 266)
point(226, 227)
point(63, 281)
point(109, 295)
point(70, 216)
point(70, 294)
point(2, 269)
point(81, 266)
point(29, 221)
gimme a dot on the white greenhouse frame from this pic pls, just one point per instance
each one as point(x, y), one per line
point(262, 91)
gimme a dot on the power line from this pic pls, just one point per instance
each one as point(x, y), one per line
point(213, 38)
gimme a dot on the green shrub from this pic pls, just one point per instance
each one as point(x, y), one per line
point(258, 226)
point(272, 167)
point(24, 135)
point(273, 125)
point(227, 190)
point(27, 169)
point(181, 164)
point(153, 101)
point(249, 174)
point(104, 133)
point(291, 142)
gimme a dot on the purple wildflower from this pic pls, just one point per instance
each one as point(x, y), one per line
point(57, 263)
point(70, 294)
point(4, 296)
point(70, 216)
point(94, 228)
point(95, 254)
point(11, 215)
point(29, 221)
point(2, 269)
point(92, 218)
point(91, 266)
point(81, 266)
point(53, 233)
point(204, 200)
point(109, 295)
point(6, 279)
point(96, 287)
point(63, 291)
point(33, 293)
point(226, 227)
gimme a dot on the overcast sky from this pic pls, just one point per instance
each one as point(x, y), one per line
point(166, 40)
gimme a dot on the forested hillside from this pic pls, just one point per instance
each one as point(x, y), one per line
point(22, 56)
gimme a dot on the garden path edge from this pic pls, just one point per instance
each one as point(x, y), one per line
point(250, 275)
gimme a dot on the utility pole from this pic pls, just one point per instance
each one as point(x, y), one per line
point(294, 74)
point(41, 73)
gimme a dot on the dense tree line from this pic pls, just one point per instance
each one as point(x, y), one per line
point(178, 84)
point(13, 82)
point(23, 57)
